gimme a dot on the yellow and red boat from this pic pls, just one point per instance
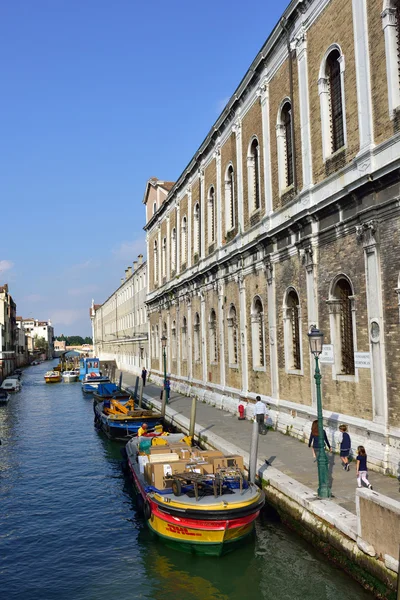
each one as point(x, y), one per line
point(199, 502)
point(52, 377)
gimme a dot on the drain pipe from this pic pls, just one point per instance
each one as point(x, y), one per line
point(284, 25)
point(253, 452)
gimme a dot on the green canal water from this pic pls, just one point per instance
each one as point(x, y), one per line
point(69, 529)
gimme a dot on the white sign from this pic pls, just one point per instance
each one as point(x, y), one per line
point(362, 360)
point(327, 354)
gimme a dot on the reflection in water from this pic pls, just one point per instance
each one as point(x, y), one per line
point(69, 528)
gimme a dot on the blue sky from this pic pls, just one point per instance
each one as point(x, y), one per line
point(98, 96)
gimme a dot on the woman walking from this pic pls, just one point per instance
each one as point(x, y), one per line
point(362, 470)
point(345, 446)
point(314, 439)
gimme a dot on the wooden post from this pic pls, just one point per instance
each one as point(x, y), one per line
point(135, 394)
point(164, 403)
point(193, 417)
point(253, 453)
point(140, 393)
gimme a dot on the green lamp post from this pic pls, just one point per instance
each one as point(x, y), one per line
point(164, 346)
point(316, 339)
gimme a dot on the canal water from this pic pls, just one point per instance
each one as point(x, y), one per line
point(69, 529)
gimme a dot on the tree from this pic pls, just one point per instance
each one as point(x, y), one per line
point(41, 344)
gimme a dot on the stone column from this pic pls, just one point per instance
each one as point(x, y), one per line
point(237, 129)
point(189, 229)
point(363, 74)
point(158, 342)
point(178, 339)
point(159, 257)
point(264, 94)
point(312, 307)
point(367, 234)
point(304, 104)
point(169, 345)
point(243, 333)
point(221, 329)
point(218, 197)
point(189, 336)
point(272, 329)
point(178, 238)
point(202, 249)
point(203, 335)
point(168, 250)
point(389, 26)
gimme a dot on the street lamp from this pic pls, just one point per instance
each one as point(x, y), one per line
point(164, 346)
point(316, 339)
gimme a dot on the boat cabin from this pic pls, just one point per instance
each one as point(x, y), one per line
point(87, 366)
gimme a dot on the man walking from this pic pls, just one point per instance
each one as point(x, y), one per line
point(144, 375)
point(260, 411)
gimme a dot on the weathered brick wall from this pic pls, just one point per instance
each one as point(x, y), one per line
point(251, 126)
point(195, 200)
point(172, 224)
point(259, 380)
point(210, 179)
point(383, 126)
point(163, 277)
point(291, 273)
point(228, 154)
point(184, 213)
point(197, 368)
point(154, 322)
point(233, 376)
point(213, 369)
point(182, 314)
point(173, 318)
point(334, 25)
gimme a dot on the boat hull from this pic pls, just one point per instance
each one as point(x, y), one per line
point(122, 429)
point(52, 379)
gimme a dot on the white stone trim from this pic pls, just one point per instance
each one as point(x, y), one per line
point(281, 147)
point(389, 27)
point(239, 169)
point(266, 148)
point(304, 102)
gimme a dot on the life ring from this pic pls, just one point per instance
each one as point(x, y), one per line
point(147, 510)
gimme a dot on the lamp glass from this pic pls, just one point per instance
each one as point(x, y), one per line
point(163, 341)
point(316, 339)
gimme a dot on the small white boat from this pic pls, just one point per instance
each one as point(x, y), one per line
point(69, 376)
point(11, 385)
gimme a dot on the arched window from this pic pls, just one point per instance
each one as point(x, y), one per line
point(184, 339)
point(331, 93)
point(155, 262)
point(257, 333)
point(184, 242)
point(196, 231)
point(285, 146)
point(164, 257)
point(197, 348)
point(253, 176)
point(173, 337)
point(341, 310)
point(173, 250)
point(232, 337)
point(211, 215)
point(391, 28)
point(213, 337)
point(229, 199)
point(292, 329)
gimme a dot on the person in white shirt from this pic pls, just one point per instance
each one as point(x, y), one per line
point(260, 411)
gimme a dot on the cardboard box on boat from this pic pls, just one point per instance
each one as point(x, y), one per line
point(165, 469)
point(160, 450)
point(210, 454)
point(235, 460)
point(162, 458)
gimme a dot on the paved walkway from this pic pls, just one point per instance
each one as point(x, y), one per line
point(284, 452)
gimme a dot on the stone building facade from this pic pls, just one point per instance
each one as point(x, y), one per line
point(288, 216)
point(119, 326)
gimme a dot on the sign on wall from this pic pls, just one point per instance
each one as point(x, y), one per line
point(362, 360)
point(327, 354)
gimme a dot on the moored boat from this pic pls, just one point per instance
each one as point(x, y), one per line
point(106, 391)
point(11, 385)
point(52, 377)
point(92, 381)
point(4, 396)
point(195, 500)
point(69, 376)
point(121, 421)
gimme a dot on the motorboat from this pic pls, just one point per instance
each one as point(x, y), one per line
point(11, 385)
point(196, 500)
point(92, 381)
point(69, 376)
point(4, 396)
point(121, 420)
point(52, 377)
point(106, 391)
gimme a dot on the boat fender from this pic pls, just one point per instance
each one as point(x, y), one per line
point(147, 510)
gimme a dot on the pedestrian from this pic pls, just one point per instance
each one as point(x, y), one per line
point(260, 411)
point(362, 470)
point(345, 447)
point(144, 375)
point(167, 389)
point(314, 439)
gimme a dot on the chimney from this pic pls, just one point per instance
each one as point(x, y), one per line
point(140, 257)
point(128, 272)
point(134, 265)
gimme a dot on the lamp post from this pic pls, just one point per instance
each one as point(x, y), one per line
point(316, 339)
point(164, 346)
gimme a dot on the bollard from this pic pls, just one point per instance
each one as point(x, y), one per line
point(193, 418)
point(253, 453)
point(140, 393)
point(164, 403)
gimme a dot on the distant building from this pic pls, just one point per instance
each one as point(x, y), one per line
point(60, 345)
point(7, 332)
point(119, 326)
point(43, 329)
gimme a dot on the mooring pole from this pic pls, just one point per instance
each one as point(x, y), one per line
point(164, 403)
point(193, 418)
point(120, 381)
point(140, 393)
point(253, 453)
point(135, 394)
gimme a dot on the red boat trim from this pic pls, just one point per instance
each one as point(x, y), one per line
point(203, 524)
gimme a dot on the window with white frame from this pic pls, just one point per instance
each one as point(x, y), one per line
point(257, 333)
point(213, 337)
point(184, 339)
point(173, 340)
point(196, 230)
point(229, 198)
point(342, 320)
point(173, 250)
point(285, 146)
point(331, 94)
point(155, 262)
point(164, 257)
point(211, 215)
point(253, 176)
point(391, 25)
point(232, 337)
point(292, 330)
point(197, 333)
point(184, 241)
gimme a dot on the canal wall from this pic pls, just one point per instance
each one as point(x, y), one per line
point(344, 537)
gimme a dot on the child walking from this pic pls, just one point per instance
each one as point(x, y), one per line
point(345, 446)
point(362, 470)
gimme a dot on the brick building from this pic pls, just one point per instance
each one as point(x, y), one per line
point(288, 216)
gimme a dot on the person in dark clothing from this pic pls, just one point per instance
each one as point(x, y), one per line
point(314, 439)
point(168, 389)
point(362, 469)
point(144, 375)
point(345, 447)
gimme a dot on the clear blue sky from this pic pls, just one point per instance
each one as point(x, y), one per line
point(98, 96)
